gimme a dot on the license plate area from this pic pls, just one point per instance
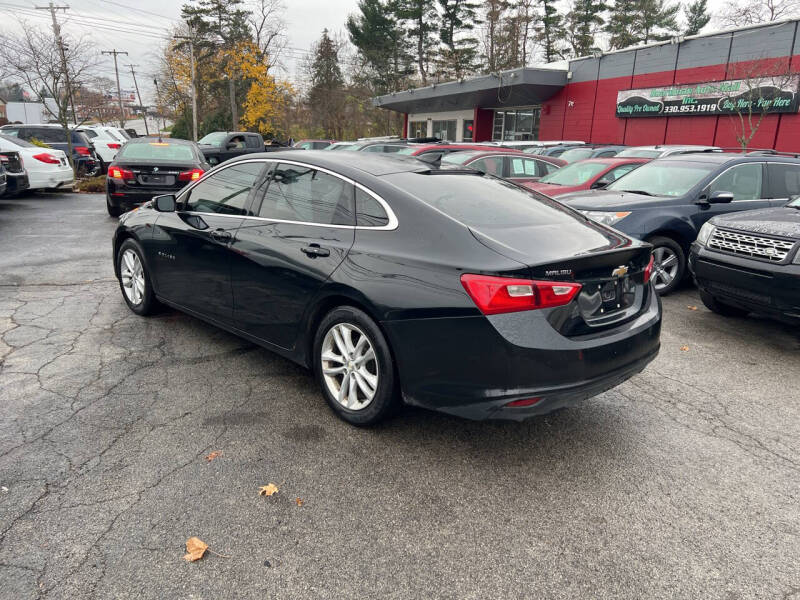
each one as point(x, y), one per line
point(606, 301)
point(150, 179)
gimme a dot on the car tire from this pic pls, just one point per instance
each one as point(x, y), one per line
point(347, 371)
point(113, 211)
point(669, 264)
point(134, 280)
point(720, 308)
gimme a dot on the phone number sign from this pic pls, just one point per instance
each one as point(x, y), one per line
point(737, 96)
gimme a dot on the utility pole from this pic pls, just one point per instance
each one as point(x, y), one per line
point(194, 84)
point(163, 119)
point(57, 33)
point(144, 110)
point(119, 91)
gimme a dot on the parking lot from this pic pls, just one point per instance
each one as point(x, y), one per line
point(684, 482)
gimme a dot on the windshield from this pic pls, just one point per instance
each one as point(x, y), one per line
point(214, 138)
point(406, 150)
point(17, 141)
point(156, 151)
point(577, 154)
point(640, 153)
point(663, 178)
point(458, 158)
point(574, 174)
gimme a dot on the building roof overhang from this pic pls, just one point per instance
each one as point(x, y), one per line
point(518, 87)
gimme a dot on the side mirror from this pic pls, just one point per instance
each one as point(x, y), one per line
point(721, 197)
point(600, 184)
point(165, 203)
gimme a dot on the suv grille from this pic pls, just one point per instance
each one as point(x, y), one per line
point(747, 244)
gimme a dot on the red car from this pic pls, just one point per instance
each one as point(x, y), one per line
point(515, 166)
point(593, 173)
point(433, 152)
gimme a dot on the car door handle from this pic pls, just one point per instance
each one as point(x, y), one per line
point(313, 251)
point(221, 235)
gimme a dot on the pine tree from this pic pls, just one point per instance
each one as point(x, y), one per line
point(621, 26)
point(656, 20)
point(583, 21)
point(495, 15)
point(697, 16)
point(550, 32)
point(381, 44)
point(457, 58)
point(419, 16)
point(224, 19)
point(327, 89)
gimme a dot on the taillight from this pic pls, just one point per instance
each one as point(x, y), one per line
point(648, 270)
point(190, 175)
point(495, 295)
point(114, 146)
point(48, 158)
point(523, 402)
point(83, 150)
point(118, 173)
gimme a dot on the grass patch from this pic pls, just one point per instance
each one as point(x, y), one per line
point(91, 185)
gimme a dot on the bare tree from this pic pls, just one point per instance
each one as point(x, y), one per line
point(269, 28)
point(33, 58)
point(742, 13)
point(760, 88)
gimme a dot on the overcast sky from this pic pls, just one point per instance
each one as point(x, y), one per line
point(139, 27)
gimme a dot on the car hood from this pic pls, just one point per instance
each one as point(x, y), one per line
point(608, 200)
point(554, 190)
point(781, 221)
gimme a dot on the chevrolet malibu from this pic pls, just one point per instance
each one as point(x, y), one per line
point(399, 282)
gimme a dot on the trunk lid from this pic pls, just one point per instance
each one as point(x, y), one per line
point(154, 174)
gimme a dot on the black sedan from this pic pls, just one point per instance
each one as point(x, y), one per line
point(399, 281)
point(666, 201)
point(146, 167)
point(750, 262)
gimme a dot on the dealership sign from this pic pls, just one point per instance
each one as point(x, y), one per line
point(759, 95)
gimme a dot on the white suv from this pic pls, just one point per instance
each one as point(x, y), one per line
point(107, 141)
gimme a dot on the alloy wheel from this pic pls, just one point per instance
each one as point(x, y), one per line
point(132, 274)
point(349, 366)
point(665, 267)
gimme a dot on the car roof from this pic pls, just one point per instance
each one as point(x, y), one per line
point(345, 163)
point(463, 147)
point(670, 147)
point(728, 157)
point(154, 140)
point(613, 160)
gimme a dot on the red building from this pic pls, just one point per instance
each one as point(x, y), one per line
point(690, 90)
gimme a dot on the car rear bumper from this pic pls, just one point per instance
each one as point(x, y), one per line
point(474, 366)
point(126, 197)
point(51, 178)
point(754, 285)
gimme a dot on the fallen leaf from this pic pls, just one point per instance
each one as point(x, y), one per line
point(684, 348)
point(213, 455)
point(692, 307)
point(268, 490)
point(195, 548)
point(298, 501)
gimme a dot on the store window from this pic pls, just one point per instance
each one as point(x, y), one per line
point(516, 125)
point(445, 130)
point(466, 132)
point(418, 129)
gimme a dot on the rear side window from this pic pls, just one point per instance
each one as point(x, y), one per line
point(304, 194)
point(252, 141)
point(48, 135)
point(90, 134)
point(490, 166)
point(369, 212)
point(483, 202)
point(523, 167)
point(79, 139)
point(225, 192)
point(743, 181)
point(783, 180)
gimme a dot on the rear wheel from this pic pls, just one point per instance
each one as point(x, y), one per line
point(669, 264)
point(726, 310)
point(113, 211)
point(354, 367)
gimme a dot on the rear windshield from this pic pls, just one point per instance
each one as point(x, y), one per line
point(633, 152)
point(156, 151)
point(574, 174)
point(482, 201)
point(664, 178)
point(577, 154)
point(17, 141)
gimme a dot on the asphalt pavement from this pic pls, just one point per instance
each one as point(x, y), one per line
point(684, 482)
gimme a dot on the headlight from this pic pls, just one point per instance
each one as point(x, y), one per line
point(706, 231)
point(796, 260)
point(604, 217)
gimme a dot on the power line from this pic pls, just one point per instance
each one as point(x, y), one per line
point(144, 110)
point(115, 52)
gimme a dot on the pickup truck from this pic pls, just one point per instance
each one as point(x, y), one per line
point(219, 146)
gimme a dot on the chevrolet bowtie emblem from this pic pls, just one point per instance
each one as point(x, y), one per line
point(620, 271)
point(155, 169)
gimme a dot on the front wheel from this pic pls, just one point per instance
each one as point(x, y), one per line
point(669, 264)
point(354, 367)
point(134, 281)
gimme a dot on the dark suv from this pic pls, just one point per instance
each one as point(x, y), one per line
point(83, 154)
point(667, 201)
